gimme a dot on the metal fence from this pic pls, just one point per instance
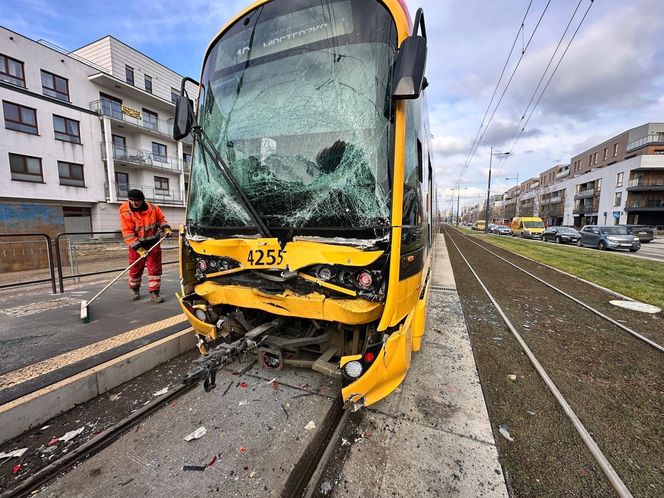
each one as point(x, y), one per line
point(70, 256)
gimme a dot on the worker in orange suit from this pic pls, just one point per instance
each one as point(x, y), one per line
point(141, 223)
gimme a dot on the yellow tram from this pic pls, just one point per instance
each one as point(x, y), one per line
point(309, 223)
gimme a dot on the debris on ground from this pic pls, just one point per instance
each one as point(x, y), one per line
point(227, 388)
point(311, 425)
point(161, 392)
point(212, 462)
point(344, 442)
point(326, 487)
point(44, 428)
point(199, 468)
point(16, 469)
point(197, 434)
point(114, 397)
point(242, 449)
point(284, 409)
point(14, 454)
point(505, 432)
point(252, 474)
point(274, 384)
point(511, 377)
point(67, 437)
point(243, 402)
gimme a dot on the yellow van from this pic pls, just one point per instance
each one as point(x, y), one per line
point(529, 227)
point(478, 225)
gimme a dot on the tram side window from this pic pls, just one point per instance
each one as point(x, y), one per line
point(412, 212)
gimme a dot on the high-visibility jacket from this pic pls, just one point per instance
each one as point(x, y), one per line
point(141, 228)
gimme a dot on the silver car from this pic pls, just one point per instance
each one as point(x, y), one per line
point(608, 237)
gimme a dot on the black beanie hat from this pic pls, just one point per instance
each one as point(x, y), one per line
point(135, 195)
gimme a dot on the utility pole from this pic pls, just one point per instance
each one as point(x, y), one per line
point(458, 198)
point(488, 189)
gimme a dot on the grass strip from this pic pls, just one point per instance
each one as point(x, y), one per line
point(640, 279)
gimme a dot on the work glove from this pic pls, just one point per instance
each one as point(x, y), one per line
point(142, 252)
point(168, 232)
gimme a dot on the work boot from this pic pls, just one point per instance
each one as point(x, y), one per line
point(135, 295)
point(155, 297)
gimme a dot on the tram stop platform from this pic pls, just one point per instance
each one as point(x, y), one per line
point(431, 437)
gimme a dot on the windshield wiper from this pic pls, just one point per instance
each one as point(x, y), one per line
point(211, 151)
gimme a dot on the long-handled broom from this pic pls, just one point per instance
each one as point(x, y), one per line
point(85, 315)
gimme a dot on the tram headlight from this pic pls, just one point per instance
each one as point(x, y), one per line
point(364, 280)
point(325, 273)
point(353, 369)
point(200, 314)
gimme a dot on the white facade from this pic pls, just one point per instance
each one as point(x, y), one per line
point(125, 132)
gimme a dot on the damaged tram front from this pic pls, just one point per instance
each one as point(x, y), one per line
point(308, 226)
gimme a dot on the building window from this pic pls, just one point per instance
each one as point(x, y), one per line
point(606, 152)
point(619, 180)
point(161, 184)
point(618, 199)
point(174, 95)
point(615, 150)
point(148, 83)
point(150, 119)
point(121, 184)
point(20, 118)
point(66, 129)
point(26, 168)
point(11, 71)
point(129, 74)
point(595, 158)
point(55, 86)
point(159, 152)
point(590, 160)
point(598, 185)
point(111, 106)
point(119, 147)
point(71, 174)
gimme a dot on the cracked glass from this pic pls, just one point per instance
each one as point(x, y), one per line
point(298, 105)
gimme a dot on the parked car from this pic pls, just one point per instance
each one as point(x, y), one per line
point(643, 232)
point(502, 230)
point(561, 235)
point(492, 228)
point(478, 225)
point(529, 227)
point(608, 237)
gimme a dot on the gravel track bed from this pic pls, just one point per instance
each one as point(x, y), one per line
point(612, 381)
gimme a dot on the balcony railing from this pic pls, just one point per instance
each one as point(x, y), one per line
point(141, 157)
point(160, 197)
point(646, 203)
point(590, 208)
point(585, 193)
point(551, 200)
point(562, 174)
point(647, 182)
point(653, 138)
point(104, 108)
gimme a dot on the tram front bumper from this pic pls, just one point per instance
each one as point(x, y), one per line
point(386, 372)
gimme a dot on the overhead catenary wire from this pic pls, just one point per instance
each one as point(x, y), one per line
point(522, 127)
point(495, 109)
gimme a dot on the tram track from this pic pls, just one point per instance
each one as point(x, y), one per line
point(609, 378)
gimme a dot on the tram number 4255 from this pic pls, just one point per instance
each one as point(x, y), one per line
point(260, 257)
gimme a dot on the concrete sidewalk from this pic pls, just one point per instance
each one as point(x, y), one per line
point(432, 437)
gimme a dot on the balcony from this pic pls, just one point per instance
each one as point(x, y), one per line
point(644, 184)
point(590, 208)
point(143, 158)
point(645, 205)
point(585, 193)
point(158, 196)
point(653, 138)
point(551, 200)
point(133, 118)
point(562, 174)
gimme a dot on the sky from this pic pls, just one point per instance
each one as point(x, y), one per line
point(610, 79)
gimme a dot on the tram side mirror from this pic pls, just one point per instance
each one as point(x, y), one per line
point(183, 117)
point(408, 78)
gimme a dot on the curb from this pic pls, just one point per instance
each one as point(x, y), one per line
point(35, 408)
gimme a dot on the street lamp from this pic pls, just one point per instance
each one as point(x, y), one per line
point(488, 188)
point(516, 205)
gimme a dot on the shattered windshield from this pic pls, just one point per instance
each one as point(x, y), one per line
point(297, 103)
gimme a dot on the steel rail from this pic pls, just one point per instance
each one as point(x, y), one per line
point(89, 448)
point(569, 296)
point(603, 462)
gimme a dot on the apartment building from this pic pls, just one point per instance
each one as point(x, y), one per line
point(618, 181)
point(79, 129)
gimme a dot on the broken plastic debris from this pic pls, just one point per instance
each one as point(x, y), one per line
point(311, 425)
point(344, 442)
point(252, 474)
point(161, 392)
point(511, 377)
point(53, 441)
point(212, 462)
point(16, 469)
point(243, 402)
point(71, 435)
point(198, 433)
point(114, 397)
point(44, 428)
point(530, 413)
point(244, 385)
point(505, 433)
point(199, 468)
point(274, 384)
point(326, 487)
point(368, 434)
point(242, 449)
point(14, 454)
